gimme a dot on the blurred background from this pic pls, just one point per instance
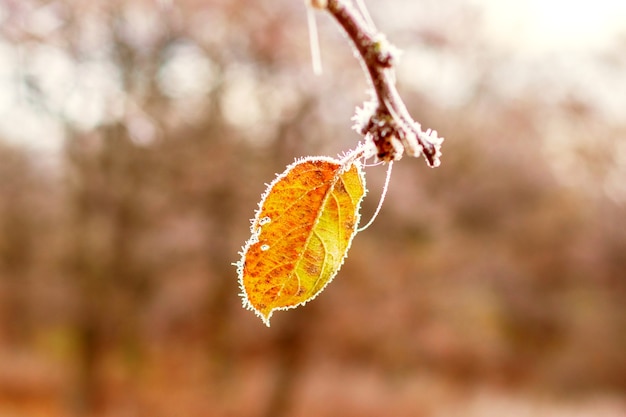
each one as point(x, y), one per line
point(135, 140)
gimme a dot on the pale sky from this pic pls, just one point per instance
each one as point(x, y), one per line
point(541, 25)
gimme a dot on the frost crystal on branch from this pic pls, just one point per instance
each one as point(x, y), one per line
point(363, 115)
point(384, 120)
point(430, 136)
point(387, 54)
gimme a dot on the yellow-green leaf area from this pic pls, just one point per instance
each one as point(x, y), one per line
point(300, 234)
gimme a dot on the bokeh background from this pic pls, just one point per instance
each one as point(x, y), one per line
point(135, 140)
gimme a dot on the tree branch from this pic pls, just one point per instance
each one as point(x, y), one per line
point(384, 120)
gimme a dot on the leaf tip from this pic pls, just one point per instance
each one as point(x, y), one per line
point(265, 318)
point(265, 314)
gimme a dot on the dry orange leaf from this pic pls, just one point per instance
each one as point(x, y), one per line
point(301, 233)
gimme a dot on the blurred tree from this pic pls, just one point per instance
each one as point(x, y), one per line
point(18, 181)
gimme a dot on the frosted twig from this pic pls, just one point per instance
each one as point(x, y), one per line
point(385, 120)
